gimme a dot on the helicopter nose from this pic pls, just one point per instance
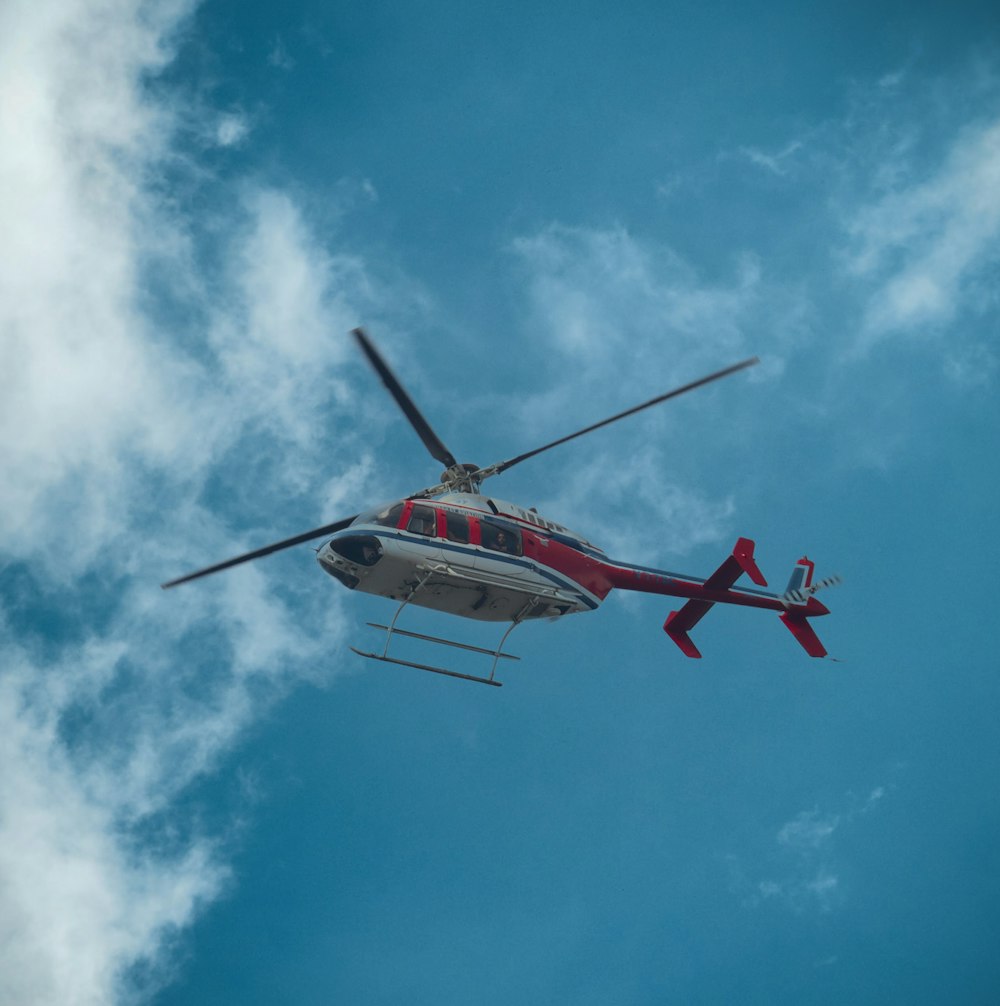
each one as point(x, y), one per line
point(363, 549)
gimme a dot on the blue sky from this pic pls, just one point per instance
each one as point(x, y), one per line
point(543, 215)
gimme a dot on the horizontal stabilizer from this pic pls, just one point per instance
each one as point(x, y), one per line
point(741, 561)
point(678, 624)
point(804, 633)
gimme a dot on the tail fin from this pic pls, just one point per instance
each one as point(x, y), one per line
point(800, 605)
point(801, 587)
point(800, 582)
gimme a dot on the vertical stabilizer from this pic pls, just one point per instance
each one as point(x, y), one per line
point(800, 582)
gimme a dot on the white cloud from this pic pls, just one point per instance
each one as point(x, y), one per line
point(279, 333)
point(279, 56)
point(971, 366)
point(927, 247)
point(877, 794)
point(809, 881)
point(617, 321)
point(603, 297)
point(231, 130)
point(823, 887)
point(114, 409)
point(819, 891)
point(624, 313)
point(803, 873)
point(79, 381)
point(892, 80)
point(808, 830)
point(77, 902)
point(776, 163)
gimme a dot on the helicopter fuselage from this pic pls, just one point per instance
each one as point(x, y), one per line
point(490, 560)
point(472, 555)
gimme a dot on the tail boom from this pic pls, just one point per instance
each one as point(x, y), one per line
point(719, 589)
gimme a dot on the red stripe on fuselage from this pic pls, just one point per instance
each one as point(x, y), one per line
point(588, 572)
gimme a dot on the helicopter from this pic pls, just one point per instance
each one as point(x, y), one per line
point(451, 548)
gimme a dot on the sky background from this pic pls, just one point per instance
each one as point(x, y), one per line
point(543, 214)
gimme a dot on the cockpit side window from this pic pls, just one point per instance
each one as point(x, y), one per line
point(423, 520)
point(500, 537)
point(386, 517)
point(457, 527)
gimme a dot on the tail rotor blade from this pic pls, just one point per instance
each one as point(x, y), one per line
point(431, 440)
point(317, 532)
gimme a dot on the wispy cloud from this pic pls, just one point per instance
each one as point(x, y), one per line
point(599, 297)
point(808, 830)
point(904, 188)
point(924, 241)
point(600, 293)
point(627, 319)
point(928, 245)
point(231, 129)
point(804, 874)
point(279, 56)
point(116, 403)
point(777, 163)
point(809, 880)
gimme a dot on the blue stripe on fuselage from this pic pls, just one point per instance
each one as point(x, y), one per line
point(472, 551)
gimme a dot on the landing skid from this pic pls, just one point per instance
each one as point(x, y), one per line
point(390, 630)
point(428, 667)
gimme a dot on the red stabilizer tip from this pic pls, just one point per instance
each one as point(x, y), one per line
point(681, 638)
point(743, 554)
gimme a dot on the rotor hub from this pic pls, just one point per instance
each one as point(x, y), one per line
point(461, 478)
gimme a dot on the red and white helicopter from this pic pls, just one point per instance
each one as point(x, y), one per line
point(451, 548)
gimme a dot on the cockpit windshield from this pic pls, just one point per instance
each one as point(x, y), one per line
point(386, 516)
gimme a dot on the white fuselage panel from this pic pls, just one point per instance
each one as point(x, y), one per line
point(461, 579)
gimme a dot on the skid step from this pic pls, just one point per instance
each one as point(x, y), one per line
point(444, 642)
point(428, 667)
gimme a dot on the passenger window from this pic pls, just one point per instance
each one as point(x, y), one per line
point(423, 520)
point(500, 538)
point(457, 527)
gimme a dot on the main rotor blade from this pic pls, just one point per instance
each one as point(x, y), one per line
point(266, 550)
point(431, 440)
point(502, 466)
